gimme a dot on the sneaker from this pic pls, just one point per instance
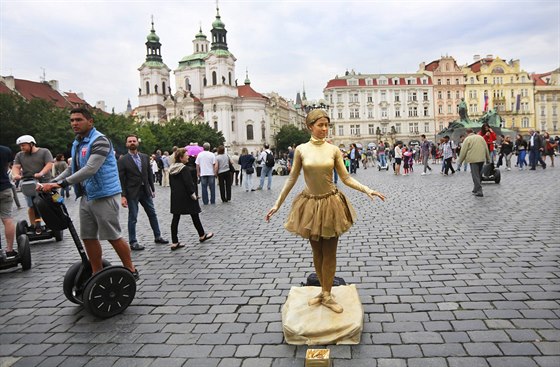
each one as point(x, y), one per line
point(136, 275)
point(423, 173)
point(10, 254)
point(161, 241)
point(135, 246)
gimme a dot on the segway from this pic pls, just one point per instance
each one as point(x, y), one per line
point(29, 188)
point(104, 294)
point(491, 173)
point(23, 256)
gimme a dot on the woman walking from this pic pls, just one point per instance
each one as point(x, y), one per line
point(184, 199)
point(247, 161)
point(521, 148)
point(225, 177)
point(320, 213)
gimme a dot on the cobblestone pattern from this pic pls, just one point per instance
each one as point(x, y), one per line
point(445, 278)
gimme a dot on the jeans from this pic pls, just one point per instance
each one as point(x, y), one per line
point(521, 159)
point(425, 159)
point(382, 160)
point(448, 163)
point(353, 165)
point(266, 171)
point(534, 157)
point(148, 205)
point(208, 182)
point(247, 181)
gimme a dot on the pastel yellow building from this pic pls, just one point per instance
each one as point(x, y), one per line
point(547, 99)
point(492, 83)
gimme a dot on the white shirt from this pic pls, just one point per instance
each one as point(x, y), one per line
point(262, 157)
point(206, 161)
point(398, 152)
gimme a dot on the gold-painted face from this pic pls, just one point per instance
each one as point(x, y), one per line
point(320, 129)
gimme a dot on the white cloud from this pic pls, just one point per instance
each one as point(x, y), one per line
point(96, 46)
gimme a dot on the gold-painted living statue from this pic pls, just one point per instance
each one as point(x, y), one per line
point(320, 213)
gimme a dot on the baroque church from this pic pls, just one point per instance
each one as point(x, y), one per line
point(207, 91)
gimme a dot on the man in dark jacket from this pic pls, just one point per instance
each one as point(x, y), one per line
point(137, 182)
point(536, 147)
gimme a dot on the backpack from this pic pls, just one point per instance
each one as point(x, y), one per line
point(269, 160)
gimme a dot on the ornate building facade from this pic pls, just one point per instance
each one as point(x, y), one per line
point(547, 101)
point(503, 86)
point(207, 91)
point(367, 108)
point(449, 88)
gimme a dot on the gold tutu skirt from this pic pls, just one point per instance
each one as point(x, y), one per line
point(320, 216)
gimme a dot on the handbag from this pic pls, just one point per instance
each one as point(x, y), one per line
point(249, 170)
point(231, 168)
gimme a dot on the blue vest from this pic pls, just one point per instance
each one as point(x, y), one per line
point(105, 182)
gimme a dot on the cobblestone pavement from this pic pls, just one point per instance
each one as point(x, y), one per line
point(445, 278)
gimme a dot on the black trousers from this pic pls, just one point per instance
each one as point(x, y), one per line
point(224, 182)
point(175, 225)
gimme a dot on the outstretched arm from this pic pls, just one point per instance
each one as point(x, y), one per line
point(351, 182)
point(294, 174)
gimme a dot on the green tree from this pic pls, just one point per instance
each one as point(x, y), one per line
point(290, 135)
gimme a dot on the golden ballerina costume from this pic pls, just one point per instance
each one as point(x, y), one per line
point(320, 211)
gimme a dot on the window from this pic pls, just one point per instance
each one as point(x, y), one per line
point(353, 82)
point(412, 97)
point(513, 122)
point(543, 111)
point(354, 130)
point(187, 84)
point(426, 113)
point(163, 88)
point(425, 96)
point(440, 109)
point(148, 88)
point(229, 78)
point(369, 97)
point(448, 94)
point(339, 97)
point(156, 89)
point(397, 113)
point(457, 95)
point(525, 122)
point(214, 107)
point(383, 113)
point(472, 80)
point(554, 111)
point(473, 108)
point(148, 115)
point(412, 111)
point(439, 94)
point(426, 127)
point(397, 96)
point(383, 96)
point(449, 111)
point(216, 125)
point(340, 130)
point(485, 80)
point(214, 78)
point(354, 113)
point(439, 81)
point(250, 132)
point(440, 126)
point(543, 126)
point(448, 81)
point(398, 128)
point(370, 113)
point(340, 114)
point(371, 129)
point(354, 98)
point(232, 125)
point(456, 81)
point(411, 127)
point(369, 81)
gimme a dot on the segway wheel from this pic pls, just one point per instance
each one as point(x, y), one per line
point(497, 177)
point(24, 251)
point(21, 228)
point(58, 235)
point(73, 285)
point(109, 292)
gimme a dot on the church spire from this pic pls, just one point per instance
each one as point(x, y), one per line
point(153, 46)
point(218, 32)
point(247, 81)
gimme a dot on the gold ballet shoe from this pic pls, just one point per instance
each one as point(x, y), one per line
point(315, 300)
point(329, 302)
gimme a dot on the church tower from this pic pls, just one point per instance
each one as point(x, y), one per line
point(154, 82)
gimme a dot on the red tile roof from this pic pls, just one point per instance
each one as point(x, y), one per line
point(432, 66)
point(538, 78)
point(75, 99)
point(4, 89)
point(336, 83)
point(246, 91)
point(475, 66)
point(31, 90)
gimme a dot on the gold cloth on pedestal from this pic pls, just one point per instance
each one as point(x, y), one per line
point(318, 325)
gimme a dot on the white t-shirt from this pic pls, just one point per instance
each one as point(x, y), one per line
point(206, 162)
point(398, 152)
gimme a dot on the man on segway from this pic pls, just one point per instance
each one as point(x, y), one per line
point(32, 162)
point(94, 174)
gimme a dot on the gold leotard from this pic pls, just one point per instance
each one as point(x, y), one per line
point(320, 211)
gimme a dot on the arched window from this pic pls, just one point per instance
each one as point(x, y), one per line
point(155, 89)
point(204, 81)
point(214, 108)
point(147, 87)
point(229, 78)
point(250, 132)
point(216, 125)
point(148, 115)
point(214, 78)
point(163, 88)
point(187, 84)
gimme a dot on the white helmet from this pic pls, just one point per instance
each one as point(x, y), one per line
point(25, 139)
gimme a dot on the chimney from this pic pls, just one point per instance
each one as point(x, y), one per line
point(476, 57)
point(489, 56)
point(100, 105)
point(9, 81)
point(53, 84)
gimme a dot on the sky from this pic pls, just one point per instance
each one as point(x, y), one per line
point(96, 46)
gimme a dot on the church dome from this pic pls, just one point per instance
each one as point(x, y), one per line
point(153, 37)
point(218, 24)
